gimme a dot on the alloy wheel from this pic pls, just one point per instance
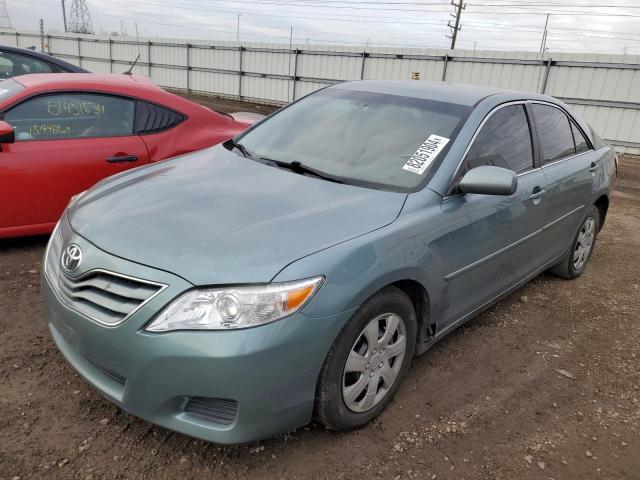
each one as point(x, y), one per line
point(374, 362)
point(585, 242)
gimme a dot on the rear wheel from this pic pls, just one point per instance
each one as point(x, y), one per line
point(575, 263)
point(367, 362)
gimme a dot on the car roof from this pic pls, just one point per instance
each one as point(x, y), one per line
point(133, 86)
point(55, 81)
point(458, 93)
point(43, 56)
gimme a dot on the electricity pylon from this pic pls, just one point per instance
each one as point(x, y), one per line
point(5, 21)
point(79, 18)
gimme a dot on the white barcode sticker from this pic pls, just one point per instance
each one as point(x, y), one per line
point(426, 154)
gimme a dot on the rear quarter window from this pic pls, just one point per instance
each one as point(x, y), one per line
point(151, 118)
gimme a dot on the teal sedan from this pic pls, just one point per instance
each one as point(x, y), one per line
point(296, 270)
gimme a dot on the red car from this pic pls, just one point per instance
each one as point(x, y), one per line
point(61, 133)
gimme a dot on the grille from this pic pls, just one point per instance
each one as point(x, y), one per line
point(105, 296)
point(217, 410)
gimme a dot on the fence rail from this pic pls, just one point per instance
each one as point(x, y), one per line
point(605, 89)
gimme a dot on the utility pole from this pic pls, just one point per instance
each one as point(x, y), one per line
point(543, 43)
point(456, 27)
point(64, 17)
point(238, 30)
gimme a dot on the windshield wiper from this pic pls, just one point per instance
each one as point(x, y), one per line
point(239, 146)
point(302, 169)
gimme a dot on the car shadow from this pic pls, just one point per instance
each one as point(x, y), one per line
point(23, 243)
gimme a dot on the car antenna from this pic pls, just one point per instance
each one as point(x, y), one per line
point(128, 72)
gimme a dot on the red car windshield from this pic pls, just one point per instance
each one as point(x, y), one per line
point(9, 88)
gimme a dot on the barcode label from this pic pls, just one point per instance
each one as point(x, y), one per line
point(426, 154)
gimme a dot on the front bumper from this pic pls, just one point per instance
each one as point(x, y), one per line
point(270, 371)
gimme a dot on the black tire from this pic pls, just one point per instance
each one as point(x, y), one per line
point(566, 268)
point(331, 409)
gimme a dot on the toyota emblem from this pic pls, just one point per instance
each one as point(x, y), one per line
point(71, 258)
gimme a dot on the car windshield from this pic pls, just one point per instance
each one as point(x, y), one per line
point(9, 88)
point(364, 138)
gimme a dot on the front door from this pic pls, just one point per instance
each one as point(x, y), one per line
point(65, 143)
point(491, 242)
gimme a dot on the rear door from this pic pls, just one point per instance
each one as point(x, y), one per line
point(569, 164)
point(65, 143)
point(491, 242)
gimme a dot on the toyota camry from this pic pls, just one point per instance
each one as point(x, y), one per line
point(296, 270)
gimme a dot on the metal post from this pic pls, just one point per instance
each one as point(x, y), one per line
point(79, 54)
point(42, 35)
point(110, 56)
point(295, 75)
point(48, 44)
point(546, 76)
point(289, 69)
point(17, 39)
point(149, 59)
point(240, 73)
point(364, 58)
point(188, 68)
point(444, 67)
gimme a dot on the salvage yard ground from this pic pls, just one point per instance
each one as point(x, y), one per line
point(544, 385)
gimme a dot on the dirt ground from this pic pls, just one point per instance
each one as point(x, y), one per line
point(545, 385)
point(228, 105)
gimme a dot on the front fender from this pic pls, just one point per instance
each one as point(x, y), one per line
point(357, 269)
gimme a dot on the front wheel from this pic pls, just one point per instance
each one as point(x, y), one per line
point(367, 362)
point(575, 263)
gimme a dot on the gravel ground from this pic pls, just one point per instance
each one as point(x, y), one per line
point(544, 385)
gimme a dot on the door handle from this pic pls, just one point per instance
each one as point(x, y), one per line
point(538, 192)
point(123, 158)
point(594, 167)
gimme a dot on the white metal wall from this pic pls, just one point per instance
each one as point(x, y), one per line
point(604, 89)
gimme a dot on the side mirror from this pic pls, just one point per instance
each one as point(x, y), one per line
point(7, 135)
point(489, 180)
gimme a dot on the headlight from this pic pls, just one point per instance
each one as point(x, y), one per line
point(235, 307)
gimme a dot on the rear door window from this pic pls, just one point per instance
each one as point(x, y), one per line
point(71, 115)
point(554, 131)
point(503, 141)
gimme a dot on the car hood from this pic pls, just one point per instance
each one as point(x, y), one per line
point(213, 217)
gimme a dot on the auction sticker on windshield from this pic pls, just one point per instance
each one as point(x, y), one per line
point(426, 154)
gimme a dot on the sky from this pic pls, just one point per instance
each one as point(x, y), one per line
point(574, 25)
